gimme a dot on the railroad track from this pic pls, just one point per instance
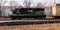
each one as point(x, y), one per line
point(27, 22)
point(30, 21)
point(26, 19)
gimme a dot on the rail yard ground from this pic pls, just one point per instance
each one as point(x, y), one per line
point(52, 26)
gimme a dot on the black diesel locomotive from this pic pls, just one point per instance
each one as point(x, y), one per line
point(27, 13)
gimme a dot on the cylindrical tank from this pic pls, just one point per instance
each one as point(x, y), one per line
point(54, 9)
point(58, 9)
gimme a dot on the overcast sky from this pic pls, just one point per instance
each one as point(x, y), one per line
point(58, 1)
point(36, 1)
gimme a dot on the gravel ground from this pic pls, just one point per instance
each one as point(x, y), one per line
point(54, 26)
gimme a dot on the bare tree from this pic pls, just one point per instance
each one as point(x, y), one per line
point(27, 3)
point(40, 5)
point(3, 7)
point(0, 7)
point(13, 4)
point(1, 3)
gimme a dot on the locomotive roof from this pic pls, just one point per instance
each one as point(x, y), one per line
point(29, 8)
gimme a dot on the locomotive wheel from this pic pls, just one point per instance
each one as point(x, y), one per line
point(20, 18)
point(43, 17)
point(13, 18)
point(35, 18)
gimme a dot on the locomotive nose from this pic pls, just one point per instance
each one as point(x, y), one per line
point(10, 13)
